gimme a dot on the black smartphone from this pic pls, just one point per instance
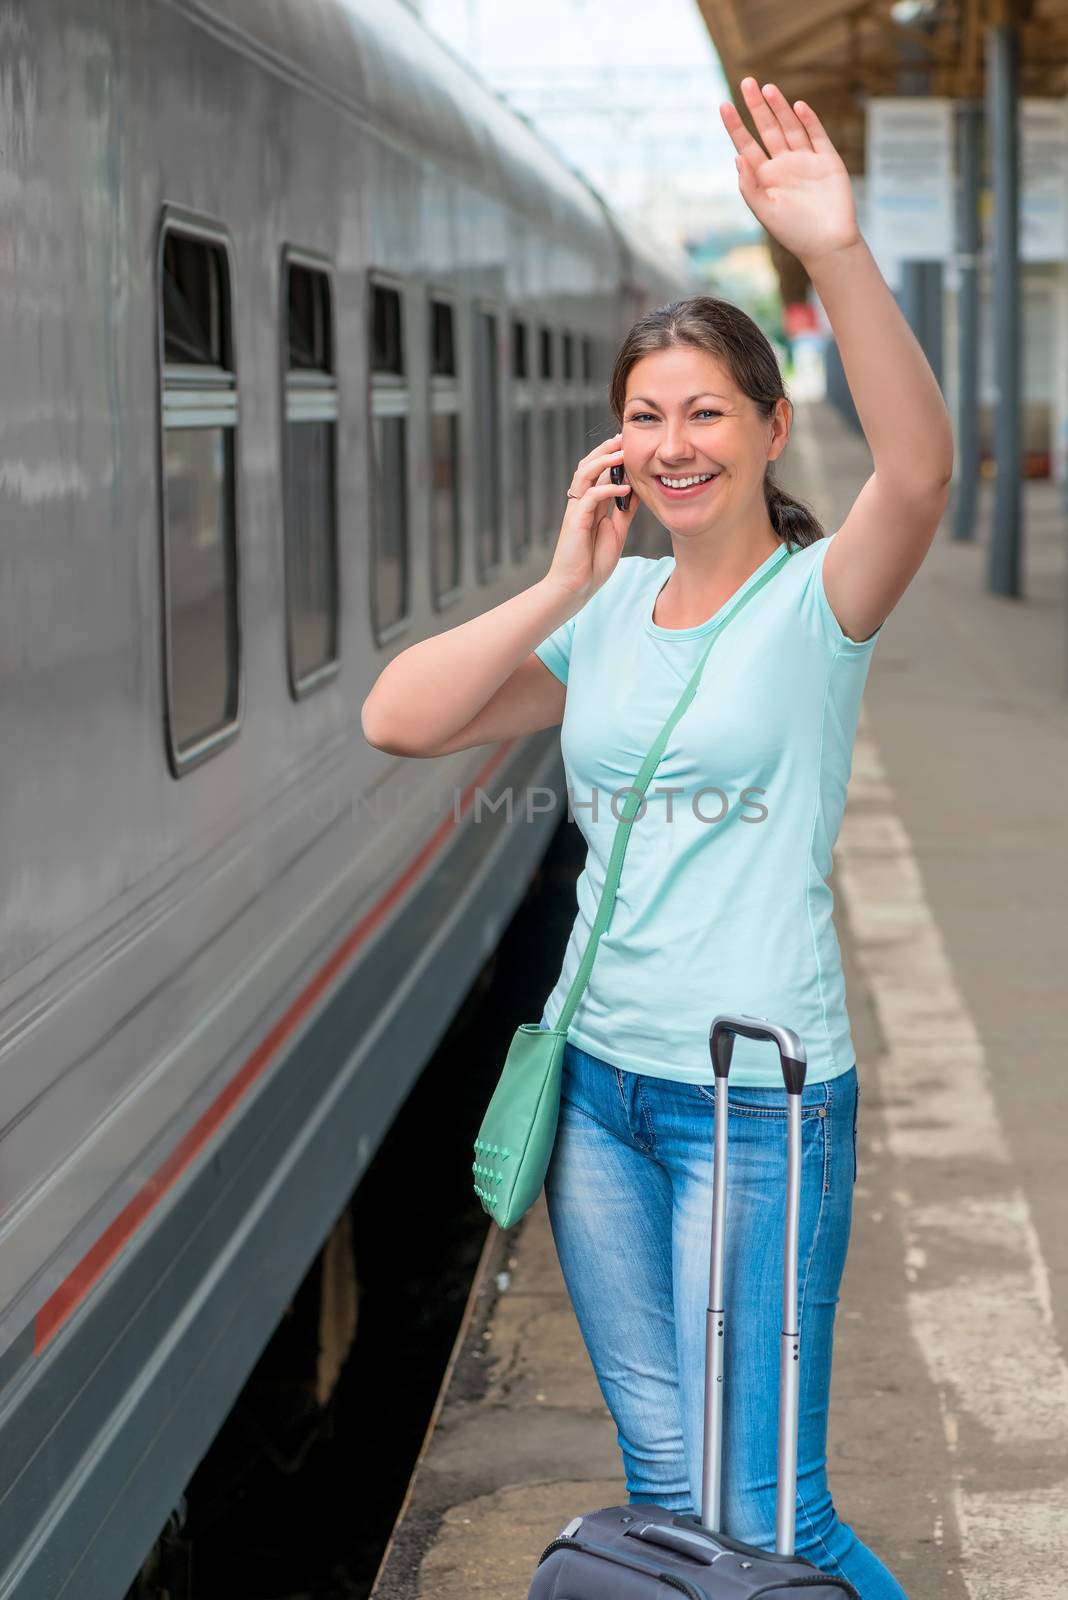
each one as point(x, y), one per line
point(617, 474)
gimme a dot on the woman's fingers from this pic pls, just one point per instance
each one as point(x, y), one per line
point(601, 452)
point(821, 139)
point(601, 491)
point(613, 460)
point(595, 465)
point(767, 123)
point(793, 130)
point(744, 142)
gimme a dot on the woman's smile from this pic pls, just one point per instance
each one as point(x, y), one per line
point(686, 485)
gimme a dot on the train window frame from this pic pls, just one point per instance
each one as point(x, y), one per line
point(389, 394)
point(548, 411)
point(194, 395)
point(446, 397)
point(521, 391)
point(489, 572)
point(309, 395)
point(572, 407)
point(593, 399)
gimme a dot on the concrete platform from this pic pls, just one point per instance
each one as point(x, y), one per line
point(948, 1437)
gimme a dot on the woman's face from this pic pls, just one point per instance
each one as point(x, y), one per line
point(684, 418)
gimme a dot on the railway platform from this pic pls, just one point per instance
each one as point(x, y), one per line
point(948, 1443)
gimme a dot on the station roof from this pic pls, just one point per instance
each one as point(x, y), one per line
point(836, 54)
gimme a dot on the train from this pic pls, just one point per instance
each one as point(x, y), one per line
point(304, 330)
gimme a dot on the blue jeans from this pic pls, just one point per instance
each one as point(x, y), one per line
point(629, 1195)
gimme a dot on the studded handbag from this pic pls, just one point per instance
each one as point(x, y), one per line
point(515, 1141)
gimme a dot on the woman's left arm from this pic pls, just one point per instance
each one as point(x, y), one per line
point(800, 191)
point(884, 538)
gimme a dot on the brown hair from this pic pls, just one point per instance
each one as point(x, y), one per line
point(726, 332)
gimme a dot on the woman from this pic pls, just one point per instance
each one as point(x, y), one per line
point(723, 903)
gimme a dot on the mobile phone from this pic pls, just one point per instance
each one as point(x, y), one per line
point(617, 474)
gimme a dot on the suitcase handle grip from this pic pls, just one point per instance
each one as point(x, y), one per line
point(791, 1051)
point(698, 1546)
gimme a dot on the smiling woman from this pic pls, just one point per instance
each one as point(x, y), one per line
point(736, 915)
point(717, 913)
point(704, 414)
point(719, 910)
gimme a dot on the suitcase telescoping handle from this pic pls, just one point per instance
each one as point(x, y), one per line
point(721, 1038)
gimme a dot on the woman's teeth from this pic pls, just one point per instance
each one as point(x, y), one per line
point(687, 483)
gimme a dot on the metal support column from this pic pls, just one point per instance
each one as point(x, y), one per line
point(922, 285)
point(911, 300)
point(1002, 76)
point(933, 288)
point(920, 299)
point(970, 127)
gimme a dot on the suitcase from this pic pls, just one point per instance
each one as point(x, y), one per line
point(642, 1552)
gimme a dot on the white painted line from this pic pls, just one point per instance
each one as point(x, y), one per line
point(978, 1295)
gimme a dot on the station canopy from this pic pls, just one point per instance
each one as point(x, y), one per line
point(837, 54)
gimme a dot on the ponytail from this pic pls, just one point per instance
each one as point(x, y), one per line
point(792, 520)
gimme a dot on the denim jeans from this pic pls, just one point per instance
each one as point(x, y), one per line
point(629, 1195)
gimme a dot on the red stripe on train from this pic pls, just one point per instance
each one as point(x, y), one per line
point(76, 1285)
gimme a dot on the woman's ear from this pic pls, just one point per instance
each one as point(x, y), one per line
point(780, 427)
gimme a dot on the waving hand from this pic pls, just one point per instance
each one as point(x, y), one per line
point(797, 186)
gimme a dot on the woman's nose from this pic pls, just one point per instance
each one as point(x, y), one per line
point(675, 446)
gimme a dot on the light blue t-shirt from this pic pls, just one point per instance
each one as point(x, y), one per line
point(723, 903)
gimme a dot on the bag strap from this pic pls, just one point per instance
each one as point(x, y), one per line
point(636, 794)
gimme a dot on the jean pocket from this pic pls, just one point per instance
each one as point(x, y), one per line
point(765, 1104)
point(856, 1108)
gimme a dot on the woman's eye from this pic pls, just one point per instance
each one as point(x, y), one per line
point(647, 416)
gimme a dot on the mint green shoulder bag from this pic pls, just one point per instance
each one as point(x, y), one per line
point(516, 1138)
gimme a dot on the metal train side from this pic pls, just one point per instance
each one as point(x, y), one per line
point(216, 991)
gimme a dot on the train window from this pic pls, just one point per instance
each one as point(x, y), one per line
point(387, 351)
point(553, 488)
point(442, 339)
point(487, 444)
point(519, 350)
point(522, 446)
point(308, 321)
point(390, 404)
point(444, 453)
point(574, 434)
point(198, 408)
point(310, 477)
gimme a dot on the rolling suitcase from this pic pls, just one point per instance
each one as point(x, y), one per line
point(642, 1552)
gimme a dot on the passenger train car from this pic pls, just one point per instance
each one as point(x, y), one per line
point(303, 332)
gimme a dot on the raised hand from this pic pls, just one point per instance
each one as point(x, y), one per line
point(796, 184)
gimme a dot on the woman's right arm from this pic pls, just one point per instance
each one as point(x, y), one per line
point(473, 684)
point(480, 681)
